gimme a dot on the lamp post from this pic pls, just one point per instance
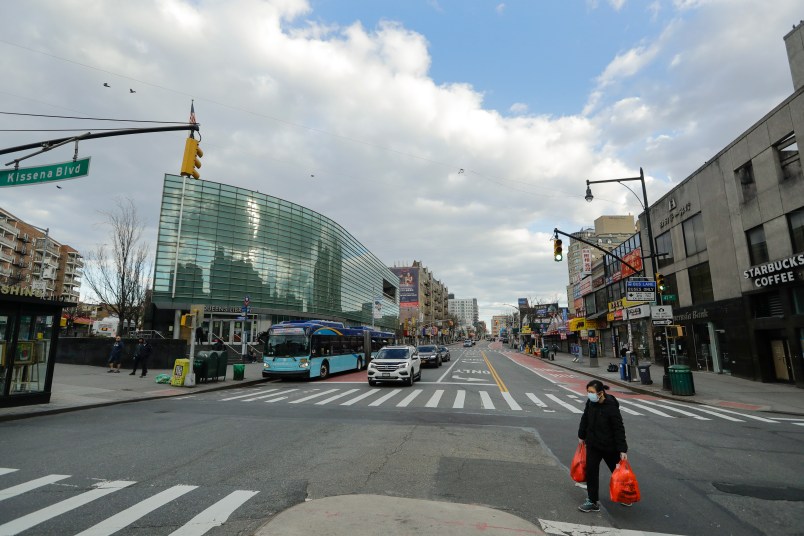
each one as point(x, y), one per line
point(644, 202)
point(518, 319)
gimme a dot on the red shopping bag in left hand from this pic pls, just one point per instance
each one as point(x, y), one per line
point(623, 486)
point(578, 467)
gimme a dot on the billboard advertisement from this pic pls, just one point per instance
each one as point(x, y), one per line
point(634, 258)
point(408, 286)
point(523, 303)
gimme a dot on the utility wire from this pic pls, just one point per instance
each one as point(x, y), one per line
point(96, 118)
point(63, 129)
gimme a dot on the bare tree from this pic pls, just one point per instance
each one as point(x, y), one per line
point(119, 271)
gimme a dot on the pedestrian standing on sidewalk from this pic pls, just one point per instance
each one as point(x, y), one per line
point(141, 355)
point(115, 355)
point(604, 434)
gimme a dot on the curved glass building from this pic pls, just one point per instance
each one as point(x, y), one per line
point(229, 248)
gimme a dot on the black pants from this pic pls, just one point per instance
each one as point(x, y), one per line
point(143, 361)
point(593, 457)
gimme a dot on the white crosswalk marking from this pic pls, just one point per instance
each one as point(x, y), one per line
point(536, 400)
point(560, 402)
point(435, 399)
point(306, 398)
point(6, 470)
point(384, 398)
point(336, 397)
point(485, 399)
point(130, 515)
point(762, 419)
point(261, 396)
point(214, 516)
point(276, 399)
point(719, 415)
point(511, 402)
point(629, 411)
point(40, 516)
point(799, 423)
point(357, 399)
point(252, 393)
point(408, 399)
point(19, 489)
point(460, 398)
point(681, 411)
point(644, 408)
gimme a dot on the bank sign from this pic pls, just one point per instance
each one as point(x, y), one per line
point(40, 174)
point(772, 273)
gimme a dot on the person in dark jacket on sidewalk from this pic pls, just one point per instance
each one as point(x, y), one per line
point(604, 434)
point(141, 355)
point(116, 355)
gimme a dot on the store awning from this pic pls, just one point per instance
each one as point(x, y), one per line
point(577, 324)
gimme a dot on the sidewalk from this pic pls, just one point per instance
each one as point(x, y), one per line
point(721, 390)
point(81, 386)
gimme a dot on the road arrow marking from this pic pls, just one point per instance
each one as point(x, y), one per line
point(468, 379)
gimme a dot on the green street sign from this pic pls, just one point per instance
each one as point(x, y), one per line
point(49, 173)
point(669, 297)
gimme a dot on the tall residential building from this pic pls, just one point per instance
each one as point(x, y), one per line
point(500, 321)
point(31, 258)
point(422, 297)
point(608, 233)
point(465, 309)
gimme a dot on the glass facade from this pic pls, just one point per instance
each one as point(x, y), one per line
point(290, 260)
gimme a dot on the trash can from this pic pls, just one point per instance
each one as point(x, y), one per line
point(201, 366)
point(681, 380)
point(546, 352)
point(644, 374)
point(238, 371)
point(219, 370)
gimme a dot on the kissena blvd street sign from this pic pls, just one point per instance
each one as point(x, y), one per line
point(49, 173)
point(640, 290)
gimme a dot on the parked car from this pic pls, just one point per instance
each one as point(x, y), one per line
point(445, 356)
point(395, 364)
point(429, 355)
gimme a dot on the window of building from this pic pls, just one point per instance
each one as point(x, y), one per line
point(796, 221)
point(694, 237)
point(745, 180)
point(701, 283)
point(664, 250)
point(757, 246)
point(767, 304)
point(798, 300)
point(789, 160)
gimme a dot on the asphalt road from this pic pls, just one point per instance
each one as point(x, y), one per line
point(488, 428)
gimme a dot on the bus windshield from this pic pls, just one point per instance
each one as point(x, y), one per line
point(287, 346)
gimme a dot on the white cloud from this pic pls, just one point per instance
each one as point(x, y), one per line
point(518, 108)
point(500, 8)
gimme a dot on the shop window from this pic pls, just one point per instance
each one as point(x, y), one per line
point(694, 237)
point(745, 181)
point(701, 283)
point(798, 300)
point(767, 305)
point(796, 222)
point(757, 245)
point(789, 161)
point(664, 249)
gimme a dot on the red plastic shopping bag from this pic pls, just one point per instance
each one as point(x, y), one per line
point(578, 467)
point(623, 486)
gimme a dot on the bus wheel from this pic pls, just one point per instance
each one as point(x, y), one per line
point(324, 371)
point(359, 363)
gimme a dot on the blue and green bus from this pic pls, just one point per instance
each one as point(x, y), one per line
point(317, 348)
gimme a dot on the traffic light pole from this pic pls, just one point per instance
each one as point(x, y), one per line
point(609, 253)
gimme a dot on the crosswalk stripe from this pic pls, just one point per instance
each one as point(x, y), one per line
point(336, 397)
point(646, 408)
point(130, 515)
point(214, 516)
point(276, 399)
point(306, 398)
point(560, 402)
point(719, 415)
point(573, 529)
point(762, 419)
point(357, 399)
point(799, 423)
point(384, 398)
point(25, 487)
point(252, 393)
point(40, 516)
point(6, 470)
point(460, 398)
point(485, 399)
point(536, 400)
point(261, 396)
point(681, 411)
point(435, 399)
point(511, 402)
point(408, 399)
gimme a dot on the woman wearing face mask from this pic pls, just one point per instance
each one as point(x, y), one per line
point(603, 431)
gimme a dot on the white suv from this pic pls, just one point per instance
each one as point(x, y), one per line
point(395, 364)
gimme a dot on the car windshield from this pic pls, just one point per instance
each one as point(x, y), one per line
point(287, 346)
point(392, 353)
point(427, 349)
point(442, 348)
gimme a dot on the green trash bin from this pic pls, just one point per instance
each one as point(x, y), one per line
point(223, 361)
point(681, 380)
point(201, 366)
point(238, 371)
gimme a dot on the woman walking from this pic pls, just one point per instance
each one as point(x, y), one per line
point(603, 431)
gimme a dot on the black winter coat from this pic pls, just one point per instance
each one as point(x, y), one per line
point(602, 425)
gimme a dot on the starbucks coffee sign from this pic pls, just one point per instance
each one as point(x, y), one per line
point(773, 273)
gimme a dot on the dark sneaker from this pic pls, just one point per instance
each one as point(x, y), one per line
point(589, 506)
point(627, 504)
point(110, 370)
point(132, 373)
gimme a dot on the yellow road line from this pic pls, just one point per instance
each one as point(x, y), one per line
point(500, 384)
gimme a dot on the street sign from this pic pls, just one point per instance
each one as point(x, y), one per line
point(669, 298)
point(661, 312)
point(636, 290)
point(662, 322)
point(49, 173)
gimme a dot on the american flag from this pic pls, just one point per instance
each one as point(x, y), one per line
point(192, 112)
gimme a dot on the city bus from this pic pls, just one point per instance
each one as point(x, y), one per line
point(317, 348)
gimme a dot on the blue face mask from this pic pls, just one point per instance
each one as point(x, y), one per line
point(592, 397)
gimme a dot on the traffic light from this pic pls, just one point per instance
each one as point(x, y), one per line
point(558, 255)
point(187, 320)
point(660, 286)
point(190, 163)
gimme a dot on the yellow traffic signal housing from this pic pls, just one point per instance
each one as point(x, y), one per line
point(190, 163)
point(558, 254)
point(660, 285)
point(187, 320)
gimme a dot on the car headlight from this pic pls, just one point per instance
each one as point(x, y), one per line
point(402, 365)
point(266, 365)
point(372, 366)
